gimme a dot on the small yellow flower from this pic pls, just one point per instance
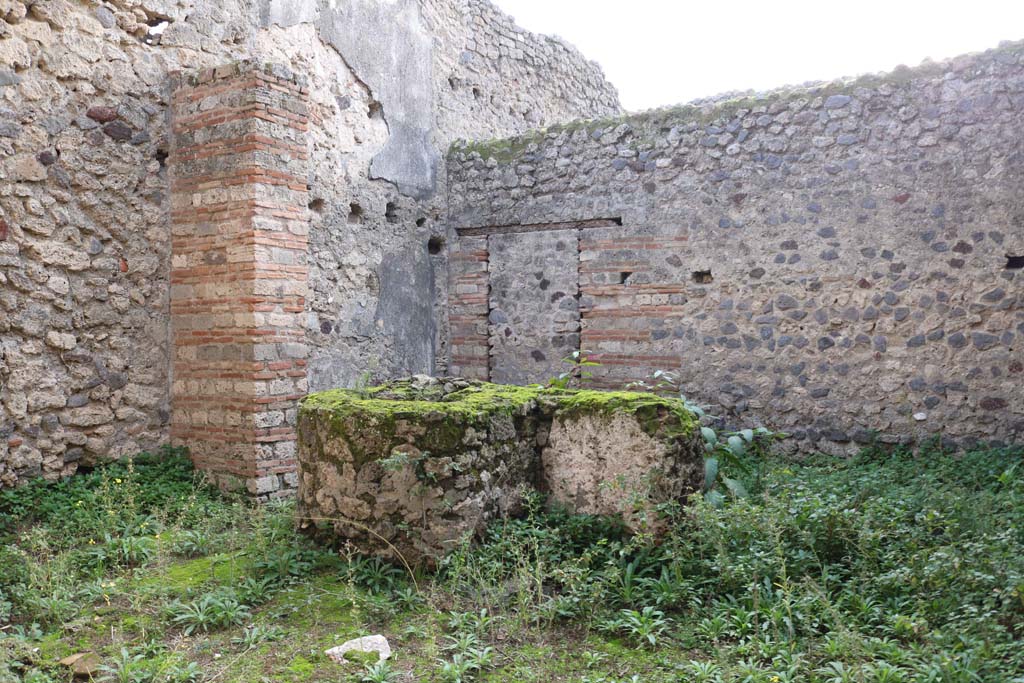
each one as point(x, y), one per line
point(117, 481)
point(92, 541)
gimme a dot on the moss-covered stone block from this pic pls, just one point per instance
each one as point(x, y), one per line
point(414, 467)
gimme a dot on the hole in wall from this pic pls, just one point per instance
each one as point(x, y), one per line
point(435, 245)
point(355, 213)
point(161, 157)
point(157, 25)
point(375, 110)
point(1014, 262)
point(317, 205)
point(420, 222)
point(391, 212)
point(477, 93)
point(624, 277)
point(703, 277)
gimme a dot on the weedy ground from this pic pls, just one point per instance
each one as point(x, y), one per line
point(889, 567)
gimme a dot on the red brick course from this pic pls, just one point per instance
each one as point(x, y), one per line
point(239, 274)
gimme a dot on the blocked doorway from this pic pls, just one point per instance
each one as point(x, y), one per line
point(533, 317)
point(516, 307)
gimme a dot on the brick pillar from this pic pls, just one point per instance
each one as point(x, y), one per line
point(469, 308)
point(239, 271)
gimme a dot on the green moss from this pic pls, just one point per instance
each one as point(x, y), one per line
point(180, 577)
point(301, 668)
point(374, 414)
point(362, 658)
point(326, 599)
point(52, 647)
point(650, 409)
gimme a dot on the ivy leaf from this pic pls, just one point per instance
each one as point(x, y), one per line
point(736, 488)
point(710, 473)
point(716, 499)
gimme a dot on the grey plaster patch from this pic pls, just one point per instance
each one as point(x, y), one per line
point(388, 46)
point(288, 12)
point(406, 315)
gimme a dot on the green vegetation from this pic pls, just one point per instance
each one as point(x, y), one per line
point(891, 566)
point(374, 413)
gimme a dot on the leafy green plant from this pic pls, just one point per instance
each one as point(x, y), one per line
point(576, 374)
point(645, 626)
point(283, 564)
point(256, 635)
point(193, 543)
point(459, 669)
point(256, 591)
point(52, 608)
point(461, 643)
point(703, 672)
point(374, 574)
point(209, 612)
point(378, 672)
point(125, 667)
point(183, 673)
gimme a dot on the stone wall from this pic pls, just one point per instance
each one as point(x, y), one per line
point(85, 241)
point(834, 261)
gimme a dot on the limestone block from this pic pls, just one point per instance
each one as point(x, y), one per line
point(620, 454)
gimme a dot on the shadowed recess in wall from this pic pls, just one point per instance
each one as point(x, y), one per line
point(539, 227)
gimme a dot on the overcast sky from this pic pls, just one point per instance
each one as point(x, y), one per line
point(662, 52)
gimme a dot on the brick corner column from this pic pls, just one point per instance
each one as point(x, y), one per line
point(239, 273)
point(468, 308)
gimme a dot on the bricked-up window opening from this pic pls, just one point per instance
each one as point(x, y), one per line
point(703, 277)
point(624, 277)
point(1014, 262)
point(391, 212)
point(355, 213)
point(317, 205)
point(435, 245)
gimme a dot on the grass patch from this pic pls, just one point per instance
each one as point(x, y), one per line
point(889, 567)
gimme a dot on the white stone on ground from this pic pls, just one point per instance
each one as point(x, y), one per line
point(378, 644)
